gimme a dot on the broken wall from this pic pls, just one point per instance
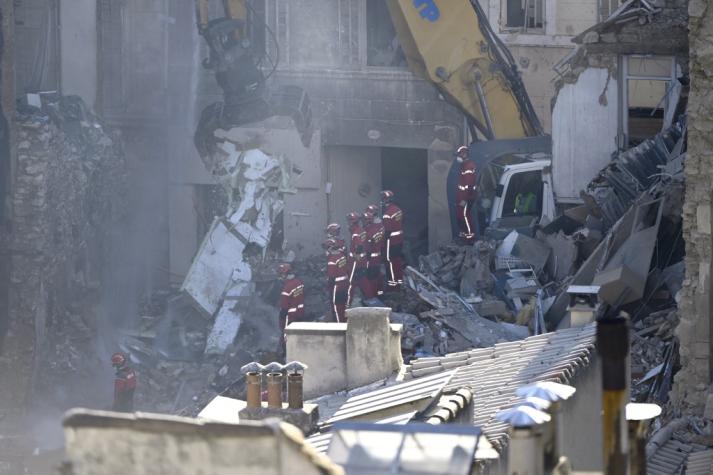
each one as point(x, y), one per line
point(537, 50)
point(584, 130)
point(109, 442)
point(691, 387)
point(66, 202)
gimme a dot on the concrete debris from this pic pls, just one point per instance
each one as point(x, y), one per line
point(220, 280)
point(653, 355)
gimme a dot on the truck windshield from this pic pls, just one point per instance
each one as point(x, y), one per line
point(523, 196)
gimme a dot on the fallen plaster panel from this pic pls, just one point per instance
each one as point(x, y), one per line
point(225, 329)
point(584, 131)
point(283, 142)
point(211, 274)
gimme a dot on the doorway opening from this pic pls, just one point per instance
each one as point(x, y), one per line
point(405, 172)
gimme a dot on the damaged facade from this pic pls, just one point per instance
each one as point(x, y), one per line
point(692, 388)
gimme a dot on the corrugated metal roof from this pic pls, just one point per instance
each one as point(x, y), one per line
point(669, 458)
point(320, 441)
point(392, 396)
point(678, 457)
point(700, 463)
point(493, 374)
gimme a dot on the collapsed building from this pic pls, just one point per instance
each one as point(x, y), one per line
point(622, 91)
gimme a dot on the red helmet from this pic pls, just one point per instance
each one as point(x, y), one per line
point(353, 217)
point(373, 209)
point(387, 196)
point(284, 269)
point(118, 360)
point(333, 229)
point(462, 151)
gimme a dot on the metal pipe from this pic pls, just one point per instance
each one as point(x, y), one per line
point(637, 440)
point(254, 388)
point(274, 390)
point(294, 391)
point(484, 107)
point(613, 347)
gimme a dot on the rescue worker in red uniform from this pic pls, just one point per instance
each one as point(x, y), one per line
point(394, 237)
point(375, 243)
point(124, 383)
point(337, 278)
point(358, 259)
point(465, 196)
point(334, 231)
point(292, 297)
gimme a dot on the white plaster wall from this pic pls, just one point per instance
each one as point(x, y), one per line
point(584, 130)
point(573, 16)
point(353, 170)
point(78, 46)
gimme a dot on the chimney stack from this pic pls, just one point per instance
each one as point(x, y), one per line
point(525, 452)
point(613, 347)
point(274, 385)
point(295, 376)
point(253, 380)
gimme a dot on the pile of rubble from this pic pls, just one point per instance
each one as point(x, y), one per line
point(654, 353)
point(622, 248)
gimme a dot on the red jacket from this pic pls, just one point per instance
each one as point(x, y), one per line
point(375, 242)
point(292, 299)
point(394, 224)
point(358, 247)
point(124, 386)
point(466, 182)
point(337, 270)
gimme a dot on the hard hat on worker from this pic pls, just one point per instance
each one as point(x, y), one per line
point(462, 151)
point(284, 269)
point(333, 229)
point(353, 217)
point(387, 196)
point(118, 360)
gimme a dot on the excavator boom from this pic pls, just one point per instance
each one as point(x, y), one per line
point(450, 43)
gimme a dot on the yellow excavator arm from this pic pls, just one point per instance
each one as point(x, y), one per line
point(232, 9)
point(450, 43)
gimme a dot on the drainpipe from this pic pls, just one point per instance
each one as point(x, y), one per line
point(274, 385)
point(613, 348)
point(525, 454)
point(253, 379)
point(295, 376)
point(638, 417)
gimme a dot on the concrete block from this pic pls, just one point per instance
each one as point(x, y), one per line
point(321, 346)
point(368, 345)
point(703, 218)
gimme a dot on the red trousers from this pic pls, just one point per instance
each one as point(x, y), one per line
point(465, 222)
point(357, 279)
point(394, 265)
point(339, 293)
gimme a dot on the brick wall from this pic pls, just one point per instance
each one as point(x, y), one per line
point(692, 382)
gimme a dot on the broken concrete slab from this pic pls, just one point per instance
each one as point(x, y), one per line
point(225, 329)
point(532, 251)
point(218, 261)
point(563, 256)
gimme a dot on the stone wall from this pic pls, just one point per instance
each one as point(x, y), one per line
point(66, 201)
point(692, 382)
